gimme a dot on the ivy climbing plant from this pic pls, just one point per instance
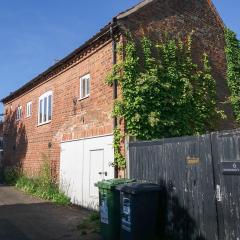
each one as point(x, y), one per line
point(119, 159)
point(233, 70)
point(164, 93)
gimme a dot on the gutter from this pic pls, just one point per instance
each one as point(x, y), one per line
point(115, 84)
point(114, 61)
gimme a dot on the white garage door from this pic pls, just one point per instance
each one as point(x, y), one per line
point(82, 164)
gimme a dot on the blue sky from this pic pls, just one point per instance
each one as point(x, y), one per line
point(35, 33)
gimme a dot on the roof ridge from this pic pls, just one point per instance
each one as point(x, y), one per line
point(134, 8)
point(45, 74)
point(216, 13)
point(80, 49)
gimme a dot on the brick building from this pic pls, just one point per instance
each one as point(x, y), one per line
point(64, 114)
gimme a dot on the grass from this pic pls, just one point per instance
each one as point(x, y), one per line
point(36, 188)
point(41, 185)
point(90, 224)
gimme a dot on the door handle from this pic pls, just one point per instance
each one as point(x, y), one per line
point(103, 173)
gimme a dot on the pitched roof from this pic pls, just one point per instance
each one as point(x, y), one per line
point(43, 76)
point(105, 32)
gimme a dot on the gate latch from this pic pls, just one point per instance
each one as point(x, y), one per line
point(218, 193)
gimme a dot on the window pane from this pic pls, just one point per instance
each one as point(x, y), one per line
point(45, 110)
point(27, 109)
point(88, 86)
point(19, 113)
point(40, 111)
point(49, 107)
point(30, 109)
point(83, 87)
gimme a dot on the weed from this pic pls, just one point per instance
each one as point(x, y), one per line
point(90, 224)
point(41, 186)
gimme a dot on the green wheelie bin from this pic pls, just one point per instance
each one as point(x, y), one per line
point(109, 205)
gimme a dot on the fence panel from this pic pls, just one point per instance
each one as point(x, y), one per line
point(184, 167)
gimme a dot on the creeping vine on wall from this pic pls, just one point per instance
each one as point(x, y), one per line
point(164, 93)
point(119, 159)
point(233, 70)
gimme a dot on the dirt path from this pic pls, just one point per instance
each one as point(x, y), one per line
point(23, 217)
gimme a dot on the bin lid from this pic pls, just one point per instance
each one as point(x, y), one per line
point(138, 187)
point(112, 183)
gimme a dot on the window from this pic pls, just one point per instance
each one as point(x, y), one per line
point(29, 109)
point(19, 113)
point(85, 86)
point(45, 108)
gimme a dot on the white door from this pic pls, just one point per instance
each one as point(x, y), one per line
point(82, 164)
point(98, 157)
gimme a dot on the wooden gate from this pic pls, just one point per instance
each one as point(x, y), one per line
point(226, 156)
point(200, 180)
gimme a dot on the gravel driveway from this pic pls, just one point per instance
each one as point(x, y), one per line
point(23, 217)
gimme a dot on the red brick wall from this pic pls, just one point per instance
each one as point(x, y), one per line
point(178, 18)
point(27, 142)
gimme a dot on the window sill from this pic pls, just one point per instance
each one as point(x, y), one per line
point(80, 99)
point(45, 123)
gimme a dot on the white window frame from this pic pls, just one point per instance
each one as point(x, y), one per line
point(29, 109)
point(87, 86)
point(41, 109)
point(19, 113)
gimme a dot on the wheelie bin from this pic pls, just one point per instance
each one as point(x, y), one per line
point(139, 210)
point(109, 204)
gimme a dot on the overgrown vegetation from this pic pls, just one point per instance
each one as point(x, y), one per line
point(90, 224)
point(41, 186)
point(11, 175)
point(119, 159)
point(233, 70)
point(165, 94)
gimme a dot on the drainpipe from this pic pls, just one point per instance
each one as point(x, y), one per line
point(114, 61)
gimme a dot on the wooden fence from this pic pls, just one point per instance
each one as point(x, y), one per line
point(200, 177)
